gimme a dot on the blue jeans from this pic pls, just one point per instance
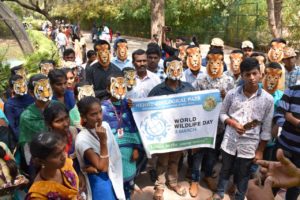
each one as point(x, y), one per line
point(241, 174)
point(209, 155)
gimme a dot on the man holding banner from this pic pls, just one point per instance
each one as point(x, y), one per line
point(175, 118)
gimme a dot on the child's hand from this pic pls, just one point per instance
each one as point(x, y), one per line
point(135, 155)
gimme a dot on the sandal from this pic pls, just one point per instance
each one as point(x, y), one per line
point(158, 194)
point(181, 191)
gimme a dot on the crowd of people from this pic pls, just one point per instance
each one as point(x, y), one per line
point(73, 134)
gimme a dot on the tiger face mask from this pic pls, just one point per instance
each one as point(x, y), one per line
point(122, 51)
point(20, 87)
point(193, 60)
point(271, 79)
point(215, 65)
point(103, 54)
point(130, 78)
point(118, 88)
point(85, 91)
point(174, 69)
point(275, 53)
point(42, 90)
point(46, 68)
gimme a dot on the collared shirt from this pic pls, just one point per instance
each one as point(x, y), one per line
point(237, 81)
point(293, 77)
point(97, 76)
point(244, 110)
point(191, 78)
point(207, 83)
point(290, 135)
point(143, 86)
point(164, 89)
point(122, 64)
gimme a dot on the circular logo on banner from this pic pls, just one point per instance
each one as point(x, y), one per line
point(209, 103)
point(155, 126)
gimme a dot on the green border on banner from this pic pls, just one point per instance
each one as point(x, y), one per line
point(183, 143)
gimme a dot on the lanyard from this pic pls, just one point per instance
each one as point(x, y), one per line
point(118, 116)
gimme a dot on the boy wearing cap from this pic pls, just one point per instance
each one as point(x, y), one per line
point(292, 74)
point(247, 48)
point(216, 43)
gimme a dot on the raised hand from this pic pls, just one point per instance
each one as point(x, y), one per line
point(282, 173)
point(101, 132)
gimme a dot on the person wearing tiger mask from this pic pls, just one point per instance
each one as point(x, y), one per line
point(97, 73)
point(121, 60)
point(15, 105)
point(167, 163)
point(117, 113)
point(214, 79)
point(32, 120)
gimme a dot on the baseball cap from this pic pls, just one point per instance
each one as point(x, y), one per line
point(218, 42)
point(247, 44)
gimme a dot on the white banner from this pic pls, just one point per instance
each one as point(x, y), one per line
point(176, 122)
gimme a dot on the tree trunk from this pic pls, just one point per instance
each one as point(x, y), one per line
point(17, 28)
point(274, 17)
point(157, 18)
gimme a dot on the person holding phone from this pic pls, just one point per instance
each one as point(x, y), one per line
point(98, 151)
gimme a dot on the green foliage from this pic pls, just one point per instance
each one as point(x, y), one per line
point(4, 70)
point(44, 49)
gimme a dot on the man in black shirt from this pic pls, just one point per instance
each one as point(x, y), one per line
point(98, 73)
point(167, 163)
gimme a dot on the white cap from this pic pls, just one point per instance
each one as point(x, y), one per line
point(218, 42)
point(247, 44)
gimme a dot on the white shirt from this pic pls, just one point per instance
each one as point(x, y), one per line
point(85, 140)
point(144, 86)
point(61, 39)
point(244, 110)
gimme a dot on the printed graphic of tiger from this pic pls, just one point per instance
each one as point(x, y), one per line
point(174, 69)
point(103, 54)
point(20, 86)
point(235, 62)
point(193, 60)
point(275, 53)
point(122, 51)
point(271, 79)
point(42, 90)
point(130, 80)
point(85, 91)
point(118, 88)
point(215, 65)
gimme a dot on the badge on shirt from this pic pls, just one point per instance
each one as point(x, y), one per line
point(120, 132)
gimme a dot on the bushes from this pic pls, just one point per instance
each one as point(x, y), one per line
point(44, 48)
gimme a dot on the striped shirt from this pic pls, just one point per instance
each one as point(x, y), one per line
point(290, 135)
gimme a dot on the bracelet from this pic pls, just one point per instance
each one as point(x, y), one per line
point(105, 156)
